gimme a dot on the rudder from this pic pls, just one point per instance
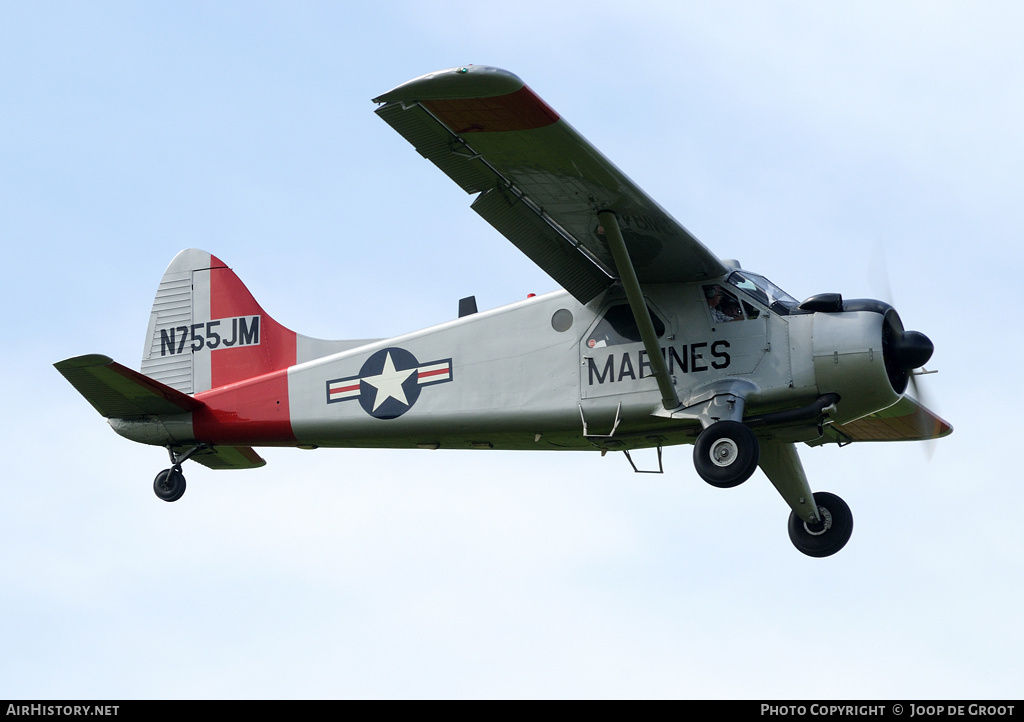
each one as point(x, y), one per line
point(206, 330)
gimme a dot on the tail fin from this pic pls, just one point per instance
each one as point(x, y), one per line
point(206, 330)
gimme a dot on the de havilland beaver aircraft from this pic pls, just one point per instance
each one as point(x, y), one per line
point(653, 340)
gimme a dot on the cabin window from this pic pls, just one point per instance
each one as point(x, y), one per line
point(619, 326)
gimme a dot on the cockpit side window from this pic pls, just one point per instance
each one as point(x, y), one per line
point(725, 306)
point(619, 326)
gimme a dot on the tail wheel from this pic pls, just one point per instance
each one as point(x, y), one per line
point(828, 536)
point(726, 454)
point(169, 484)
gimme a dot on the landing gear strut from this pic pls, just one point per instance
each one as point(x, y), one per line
point(169, 484)
point(830, 534)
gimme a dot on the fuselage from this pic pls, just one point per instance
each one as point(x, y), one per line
point(547, 373)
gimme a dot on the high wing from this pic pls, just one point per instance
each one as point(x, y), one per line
point(540, 183)
point(906, 420)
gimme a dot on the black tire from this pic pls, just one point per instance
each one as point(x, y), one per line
point(828, 537)
point(169, 485)
point(726, 454)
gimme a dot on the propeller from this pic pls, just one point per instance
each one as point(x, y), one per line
point(905, 352)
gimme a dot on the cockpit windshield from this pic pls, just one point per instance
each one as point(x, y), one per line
point(763, 290)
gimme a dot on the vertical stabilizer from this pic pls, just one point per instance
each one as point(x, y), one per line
point(206, 330)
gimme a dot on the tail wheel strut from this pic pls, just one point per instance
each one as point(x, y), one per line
point(169, 484)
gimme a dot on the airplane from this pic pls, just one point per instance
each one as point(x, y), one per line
point(652, 340)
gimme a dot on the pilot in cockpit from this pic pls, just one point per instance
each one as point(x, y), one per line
point(724, 307)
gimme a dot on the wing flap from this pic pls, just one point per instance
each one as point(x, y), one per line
point(117, 391)
point(485, 129)
point(543, 242)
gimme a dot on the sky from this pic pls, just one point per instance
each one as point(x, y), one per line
point(872, 149)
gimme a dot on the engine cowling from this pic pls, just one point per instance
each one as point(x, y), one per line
point(864, 354)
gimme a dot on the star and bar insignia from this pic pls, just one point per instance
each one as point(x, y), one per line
point(389, 382)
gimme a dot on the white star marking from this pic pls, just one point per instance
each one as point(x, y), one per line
point(389, 383)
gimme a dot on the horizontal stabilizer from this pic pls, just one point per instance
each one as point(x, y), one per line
point(118, 392)
point(229, 457)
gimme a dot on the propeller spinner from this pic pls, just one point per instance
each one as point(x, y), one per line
point(903, 350)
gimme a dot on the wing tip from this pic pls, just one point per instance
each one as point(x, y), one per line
point(466, 81)
point(83, 362)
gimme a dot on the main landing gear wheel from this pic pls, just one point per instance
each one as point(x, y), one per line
point(830, 535)
point(726, 454)
point(169, 484)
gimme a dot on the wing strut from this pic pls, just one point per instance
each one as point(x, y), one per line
point(627, 276)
